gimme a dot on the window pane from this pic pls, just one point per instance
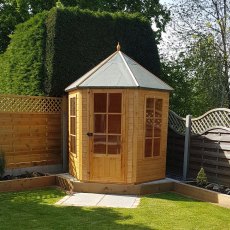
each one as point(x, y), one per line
point(157, 128)
point(150, 103)
point(149, 122)
point(114, 144)
point(148, 147)
point(156, 148)
point(72, 125)
point(149, 115)
point(100, 100)
point(158, 108)
point(148, 130)
point(99, 123)
point(114, 124)
point(114, 103)
point(72, 106)
point(72, 144)
point(99, 144)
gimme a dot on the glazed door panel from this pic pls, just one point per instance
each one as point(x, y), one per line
point(106, 156)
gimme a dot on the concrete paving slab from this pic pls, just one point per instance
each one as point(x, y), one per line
point(100, 200)
point(119, 201)
point(83, 199)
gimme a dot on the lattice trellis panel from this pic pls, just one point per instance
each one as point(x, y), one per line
point(29, 104)
point(213, 118)
point(176, 123)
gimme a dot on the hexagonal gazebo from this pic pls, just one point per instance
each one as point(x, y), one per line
point(118, 114)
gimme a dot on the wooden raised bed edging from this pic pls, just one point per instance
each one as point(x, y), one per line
point(27, 183)
point(202, 194)
point(178, 187)
point(68, 182)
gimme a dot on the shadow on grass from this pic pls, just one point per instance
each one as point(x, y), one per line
point(35, 210)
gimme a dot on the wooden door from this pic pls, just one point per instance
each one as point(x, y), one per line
point(106, 156)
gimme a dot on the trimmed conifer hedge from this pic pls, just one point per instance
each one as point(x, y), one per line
point(22, 65)
point(55, 48)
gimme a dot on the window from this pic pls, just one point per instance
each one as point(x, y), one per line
point(153, 123)
point(107, 123)
point(72, 128)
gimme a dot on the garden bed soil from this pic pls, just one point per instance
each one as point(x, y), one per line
point(27, 183)
point(212, 187)
point(25, 175)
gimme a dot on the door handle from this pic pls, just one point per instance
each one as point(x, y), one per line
point(89, 134)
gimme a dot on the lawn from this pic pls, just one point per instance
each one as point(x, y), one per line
point(35, 210)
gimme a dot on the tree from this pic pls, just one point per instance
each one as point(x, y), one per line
point(206, 63)
point(175, 74)
point(151, 9)
point(13, 12)
point(201, 34)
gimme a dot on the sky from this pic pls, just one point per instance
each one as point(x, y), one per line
point(165, 43)
point(166, 1)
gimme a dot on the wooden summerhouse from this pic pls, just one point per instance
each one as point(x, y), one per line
point(118, 117)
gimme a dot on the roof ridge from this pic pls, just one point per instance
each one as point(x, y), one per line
point(98, 66)
point(130, 71)
point(149, 72)
point(92, 71)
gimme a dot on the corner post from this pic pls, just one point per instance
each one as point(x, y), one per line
point(64, 121)
point(188, 124)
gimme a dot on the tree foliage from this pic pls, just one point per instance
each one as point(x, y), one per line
point(200, 37)
point(175, 73)
point(13, 12)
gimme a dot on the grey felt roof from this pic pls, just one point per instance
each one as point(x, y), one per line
point(119, 71)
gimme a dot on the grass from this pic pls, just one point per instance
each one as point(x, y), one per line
point(36, 210)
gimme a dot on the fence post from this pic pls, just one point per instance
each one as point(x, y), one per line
point(64, 118)
point(187, 146)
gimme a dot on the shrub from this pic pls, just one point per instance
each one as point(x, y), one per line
point(201, 178)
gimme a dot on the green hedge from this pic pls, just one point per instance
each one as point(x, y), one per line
point(22, 65)
point(53, 49)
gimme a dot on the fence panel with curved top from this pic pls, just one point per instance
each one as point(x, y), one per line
point(209, 145)
point(216, 118)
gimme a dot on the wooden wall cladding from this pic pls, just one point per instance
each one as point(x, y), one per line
point(31, 138)
point(150, 168)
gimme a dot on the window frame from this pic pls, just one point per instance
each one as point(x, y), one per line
point(107, 113)
point(153, 137)
point(74, 115)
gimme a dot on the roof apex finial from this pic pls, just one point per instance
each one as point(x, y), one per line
point(118, 46)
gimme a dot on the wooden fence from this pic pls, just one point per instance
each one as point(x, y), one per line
point(211, 150)
point(30, 131)
point(209, 146)
point(175, 154)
